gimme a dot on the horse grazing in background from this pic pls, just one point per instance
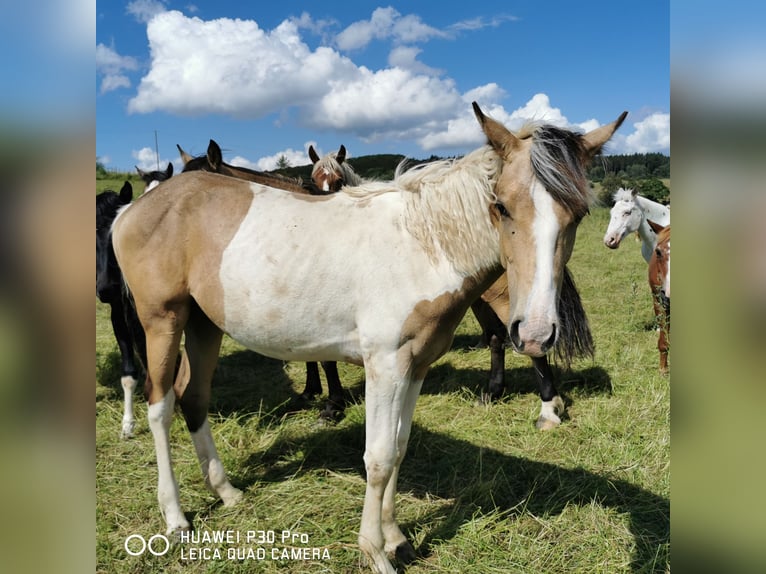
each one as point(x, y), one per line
point(387, 271)
point(213, 162)
point(152, 179)
point(491, 310)
point(127, 329)
point(659, 283)
point(632, 212)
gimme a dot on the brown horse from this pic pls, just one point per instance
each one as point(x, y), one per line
point(388, 270)
point(659, 283)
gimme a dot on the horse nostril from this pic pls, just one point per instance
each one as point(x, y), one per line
point(515, 339)
point(550, 342)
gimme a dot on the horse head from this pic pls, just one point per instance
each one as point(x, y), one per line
point(542, 194)
point(153, 178)
point(330, 173)
point(108, 276)
point(659, 264)
point(624, 218)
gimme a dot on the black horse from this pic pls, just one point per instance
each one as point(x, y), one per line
point(109, 289)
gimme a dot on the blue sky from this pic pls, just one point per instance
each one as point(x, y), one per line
point(266, 79)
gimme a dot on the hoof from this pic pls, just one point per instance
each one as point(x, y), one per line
point(331, 415)
point(232, 497)
point(404, 553)
point(546, 424)
point(127, 430)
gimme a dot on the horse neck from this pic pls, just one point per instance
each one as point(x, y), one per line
point(651, 211)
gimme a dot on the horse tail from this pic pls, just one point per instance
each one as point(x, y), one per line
point(134, 324)
point(575, 339)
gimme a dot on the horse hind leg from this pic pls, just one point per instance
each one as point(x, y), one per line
point(163, 338)
point(336, 403)
point(192, 386)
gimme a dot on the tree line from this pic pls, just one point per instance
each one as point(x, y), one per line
point(643, 172)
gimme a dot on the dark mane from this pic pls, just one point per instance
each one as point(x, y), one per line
point(557, 157)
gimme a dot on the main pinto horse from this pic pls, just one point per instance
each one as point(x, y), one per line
point(659, 283)
point(630, 213)
point(388, 271)
point(109, 289)
point(213, 162)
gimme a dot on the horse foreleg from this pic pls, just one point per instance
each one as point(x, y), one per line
point(313, 385)
point(396, 544)
point(129, 379)
point(496, 386)
point(552, 407)
point(202, 343)
point(384, 400)
point(663, 341)
point(336, 404)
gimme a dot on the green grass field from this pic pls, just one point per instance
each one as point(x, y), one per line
point(480, 490)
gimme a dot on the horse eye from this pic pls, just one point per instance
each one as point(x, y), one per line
point(658, 252)
point(502, 210)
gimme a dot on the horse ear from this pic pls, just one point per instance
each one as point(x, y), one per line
point(498, 135)
point(126, 193)
point(214, 157)
point(595, 139)
point(313, 156)
point(634, 192)
point(656, 227)
point(185, 157)
point(141, 173)
point(341, 156)
point(169, 170)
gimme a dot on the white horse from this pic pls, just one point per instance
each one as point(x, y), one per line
point(630, 213)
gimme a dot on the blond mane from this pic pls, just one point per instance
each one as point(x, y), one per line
point(447, 207)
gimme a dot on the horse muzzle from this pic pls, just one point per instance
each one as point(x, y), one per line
point(612, 242)
point(533, 339)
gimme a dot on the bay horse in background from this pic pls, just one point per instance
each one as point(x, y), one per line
point(491, 310)
point(109, 289)
point(152, 179)
point(387, 271)
point(630, 213)
point(213, 162)
point(659, 283)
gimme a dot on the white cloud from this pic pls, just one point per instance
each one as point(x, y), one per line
point(386, 102)
point(112, 66)
point(146, 159)
point(145, 10)
point(386, 23)
point(232, 67)
point(406, 57)
point(651, 134)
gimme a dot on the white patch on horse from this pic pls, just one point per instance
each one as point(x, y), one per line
point(542, 298)
point(279, 283)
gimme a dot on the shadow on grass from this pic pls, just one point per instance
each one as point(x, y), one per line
point(246, 383)
point(439, 465)
point(519, 380)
